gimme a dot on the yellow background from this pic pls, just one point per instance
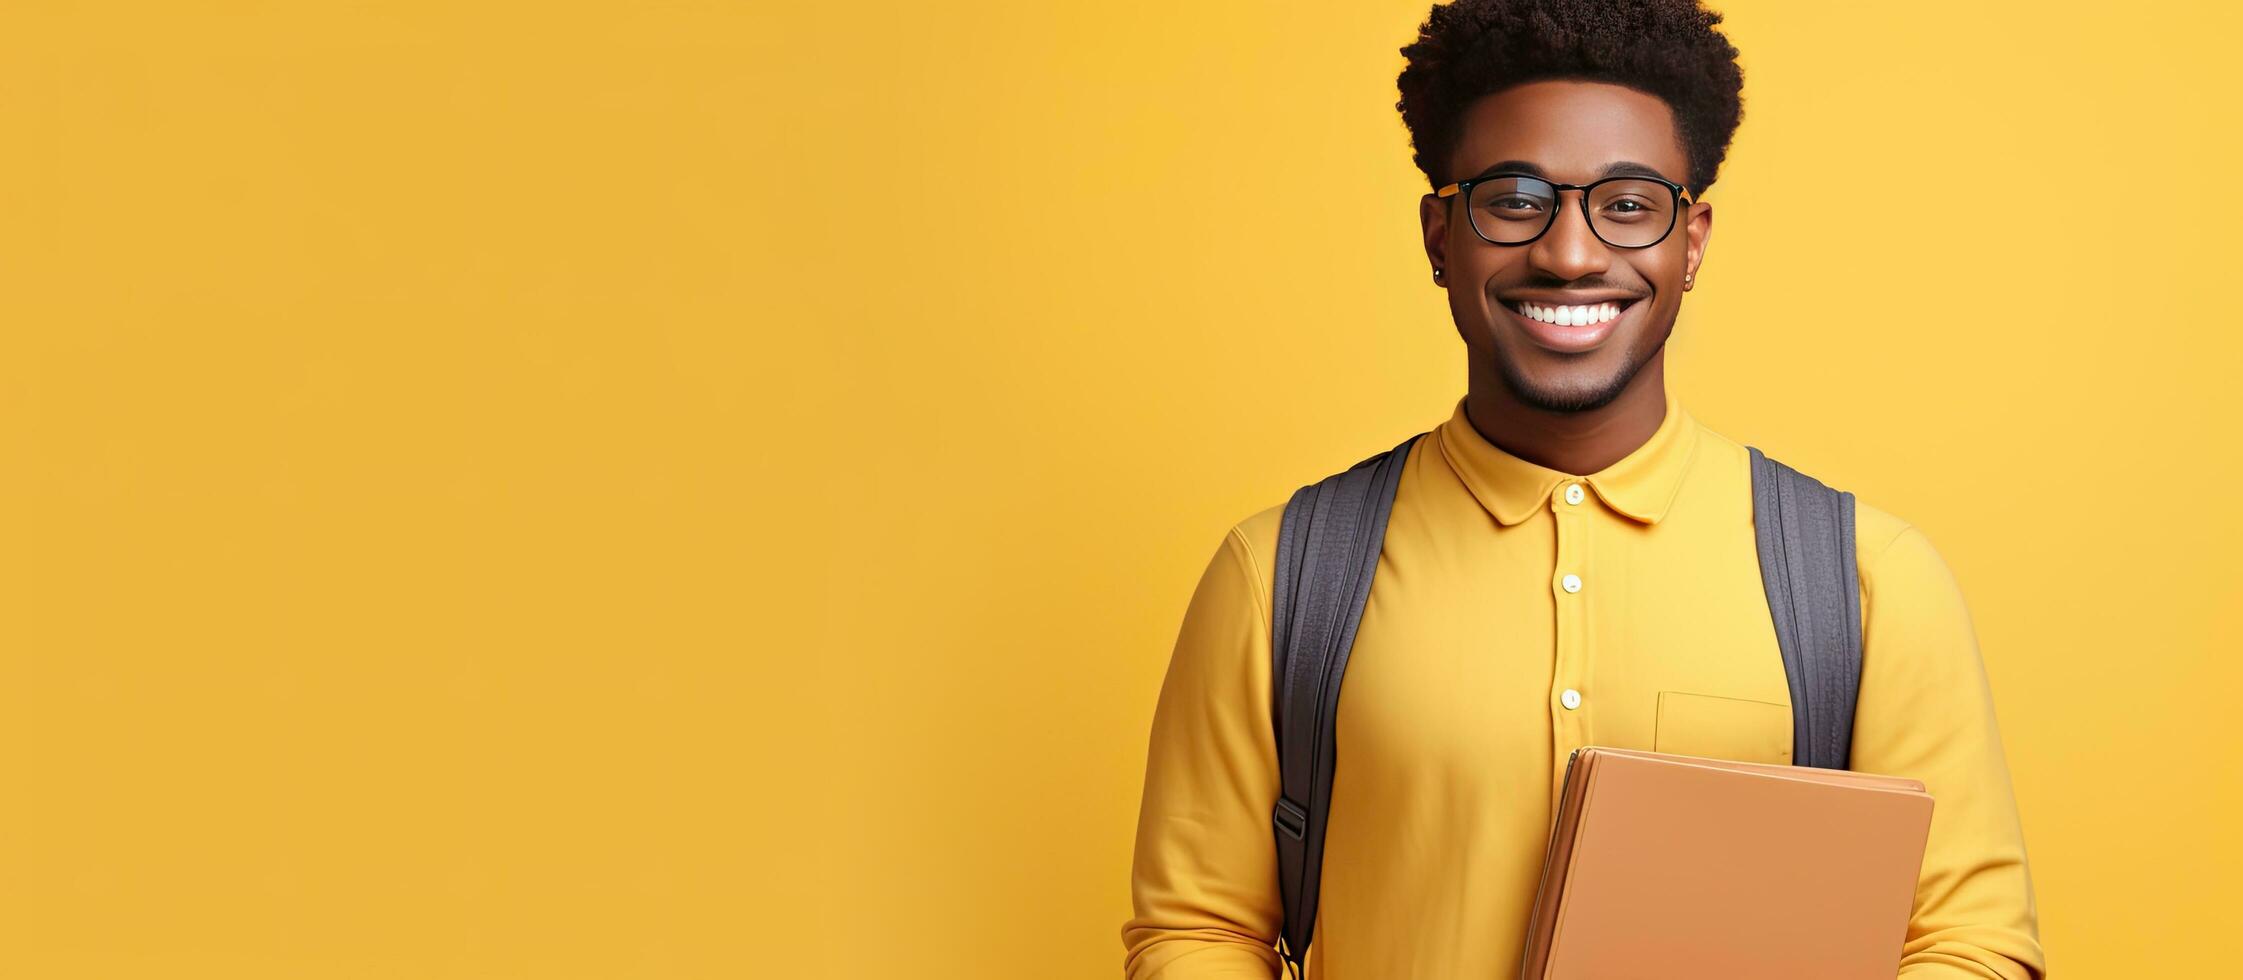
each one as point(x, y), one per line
point(707, 489)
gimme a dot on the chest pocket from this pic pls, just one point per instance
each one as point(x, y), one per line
point(1713, 727)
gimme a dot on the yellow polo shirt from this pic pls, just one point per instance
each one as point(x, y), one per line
point(1519, 613)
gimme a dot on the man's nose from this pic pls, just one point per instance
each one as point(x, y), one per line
point(1569, 250)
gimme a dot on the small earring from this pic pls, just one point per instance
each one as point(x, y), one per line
point(1436, 274)
point(1685, 277)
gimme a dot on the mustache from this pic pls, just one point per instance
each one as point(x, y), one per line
point(1554, 285)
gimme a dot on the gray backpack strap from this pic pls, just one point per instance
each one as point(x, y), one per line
point(1805, 532)
point(1327, 551)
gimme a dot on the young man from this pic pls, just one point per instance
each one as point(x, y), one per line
point(1571, 559)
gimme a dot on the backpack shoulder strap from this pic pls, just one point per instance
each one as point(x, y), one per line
point(1805, 533)
point(1327, 551)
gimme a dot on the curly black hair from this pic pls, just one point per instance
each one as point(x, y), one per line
point(1664, 48)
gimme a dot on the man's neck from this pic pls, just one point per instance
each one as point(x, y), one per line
point(1579, 443)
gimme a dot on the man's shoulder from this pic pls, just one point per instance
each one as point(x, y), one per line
point(1255, 536)
point(1875, 531)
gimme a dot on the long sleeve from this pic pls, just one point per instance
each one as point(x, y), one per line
point(1926, 711)
point(1203, 881)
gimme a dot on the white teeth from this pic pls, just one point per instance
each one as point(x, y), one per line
point(1570, 316)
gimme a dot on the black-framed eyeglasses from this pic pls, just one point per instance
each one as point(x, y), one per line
point(1626, 211)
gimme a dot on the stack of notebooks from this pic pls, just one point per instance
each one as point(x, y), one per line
point(1678, 867)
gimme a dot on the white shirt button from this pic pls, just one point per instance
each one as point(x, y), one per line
point(1571, 699)
point(1573, 494)
point(1572, 583)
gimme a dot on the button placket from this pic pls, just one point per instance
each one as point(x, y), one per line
point(1569, 666)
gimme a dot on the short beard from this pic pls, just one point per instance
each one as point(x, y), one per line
point(1558, 402)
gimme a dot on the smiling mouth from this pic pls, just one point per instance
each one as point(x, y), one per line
point(1583, 315)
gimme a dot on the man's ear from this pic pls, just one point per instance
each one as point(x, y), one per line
point(1433, 215)
point(1697, 228)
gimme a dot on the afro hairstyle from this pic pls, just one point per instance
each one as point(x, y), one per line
point(1664, 48)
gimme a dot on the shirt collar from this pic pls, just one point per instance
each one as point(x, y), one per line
point(1641, 485)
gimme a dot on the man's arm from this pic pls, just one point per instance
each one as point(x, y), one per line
point(1926, 712)
point(1204, 880)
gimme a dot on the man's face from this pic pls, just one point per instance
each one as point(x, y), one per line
point(1569, 132)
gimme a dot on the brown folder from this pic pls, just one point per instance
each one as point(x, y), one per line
point(1678, 867)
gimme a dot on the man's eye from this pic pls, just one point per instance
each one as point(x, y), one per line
point(1627, 209)
point(1523, 205)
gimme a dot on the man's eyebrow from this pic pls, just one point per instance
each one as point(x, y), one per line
point(1617, 168)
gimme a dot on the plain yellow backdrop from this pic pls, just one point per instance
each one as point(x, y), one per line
point(707, 489)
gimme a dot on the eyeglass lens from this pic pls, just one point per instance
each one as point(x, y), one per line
point(1625, 212)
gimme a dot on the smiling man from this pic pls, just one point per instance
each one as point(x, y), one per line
point(1571, 560)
